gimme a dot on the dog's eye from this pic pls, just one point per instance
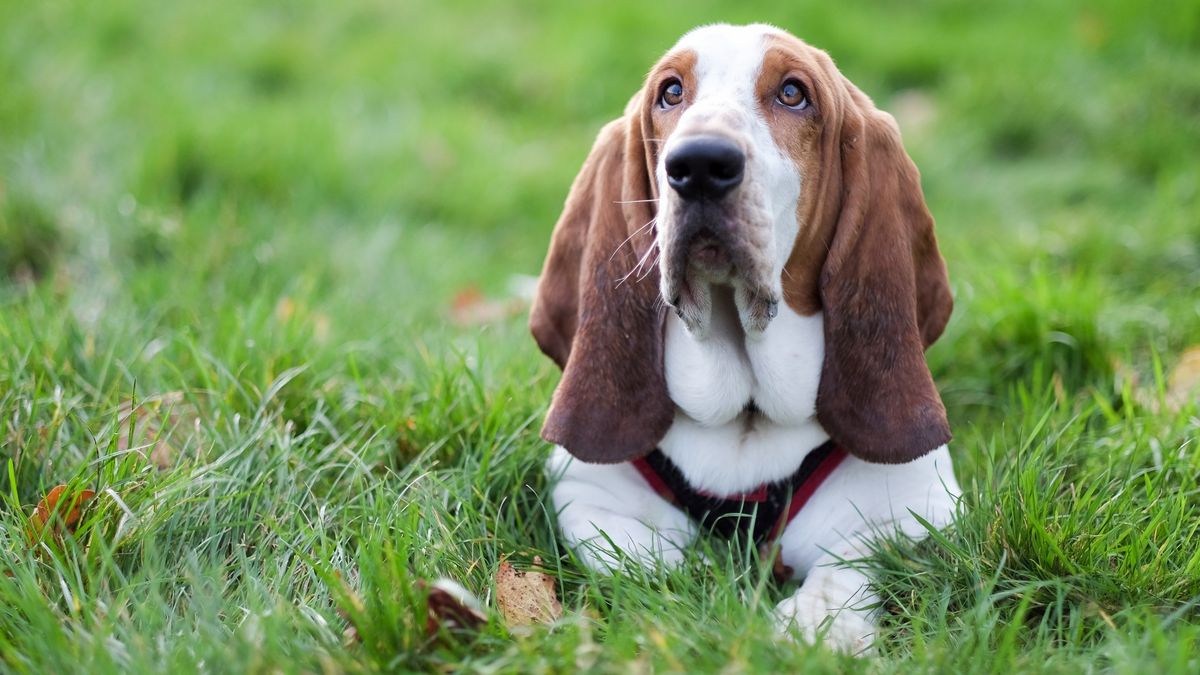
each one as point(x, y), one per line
point(793, 95)
point(672, 94)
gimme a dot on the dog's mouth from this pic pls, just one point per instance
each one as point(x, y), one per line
point(711, 248)
point(708, 255)
point(704, 242)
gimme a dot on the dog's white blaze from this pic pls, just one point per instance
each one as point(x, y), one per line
point(714, 376)
point(728, 62)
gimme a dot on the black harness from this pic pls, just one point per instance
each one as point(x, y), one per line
point(762, 513)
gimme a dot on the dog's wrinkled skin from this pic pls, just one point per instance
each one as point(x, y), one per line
point(738, 333)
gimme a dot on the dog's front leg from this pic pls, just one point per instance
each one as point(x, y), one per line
point(835, 603)
point(607, 511)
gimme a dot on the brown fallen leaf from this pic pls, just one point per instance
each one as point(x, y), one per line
point(1183, 384)
point(449, 605)
point(65, 509)
point(526, 597)
point(452, 606)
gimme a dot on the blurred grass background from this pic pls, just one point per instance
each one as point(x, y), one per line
point(265, 210)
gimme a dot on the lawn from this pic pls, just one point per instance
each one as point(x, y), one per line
point(257, 270)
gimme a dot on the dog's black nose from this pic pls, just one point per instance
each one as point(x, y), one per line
point(706, 167)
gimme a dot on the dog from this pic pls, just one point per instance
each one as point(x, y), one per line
point(739, 291)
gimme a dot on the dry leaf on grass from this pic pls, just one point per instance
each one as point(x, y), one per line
point(526, 597)
point(60, 510)
point(448, 605)
point(1183, 385)
point(452, 606)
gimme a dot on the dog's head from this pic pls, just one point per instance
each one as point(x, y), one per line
point(747, 159)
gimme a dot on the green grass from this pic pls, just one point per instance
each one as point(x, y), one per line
point(250, 222)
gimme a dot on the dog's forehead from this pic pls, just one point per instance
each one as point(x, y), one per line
point(725, 53)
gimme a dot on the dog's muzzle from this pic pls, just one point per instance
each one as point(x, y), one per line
point(715, 234)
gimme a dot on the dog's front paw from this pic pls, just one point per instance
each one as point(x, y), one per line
point(809, 617)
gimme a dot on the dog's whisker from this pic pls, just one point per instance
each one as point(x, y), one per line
point(626, 277)
point(649, 269)
point(631, 236)
point(623, 279)
point(638, 266)
point(650, 251)
point(646, 273)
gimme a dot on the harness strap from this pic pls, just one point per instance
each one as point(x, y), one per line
point(763, 513)
point(804, 491)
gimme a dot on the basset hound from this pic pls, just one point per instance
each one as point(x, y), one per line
point(739, 292)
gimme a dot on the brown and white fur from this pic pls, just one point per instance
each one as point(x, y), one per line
point(738, 333)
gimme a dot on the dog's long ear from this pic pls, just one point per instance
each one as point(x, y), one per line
point(597, 312)
point(885, 298)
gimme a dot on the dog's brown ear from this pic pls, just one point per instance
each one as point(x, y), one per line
point(597, 312)
point(885, 298)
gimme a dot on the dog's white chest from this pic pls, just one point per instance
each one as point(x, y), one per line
point(721, 443)
point(714, 380)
